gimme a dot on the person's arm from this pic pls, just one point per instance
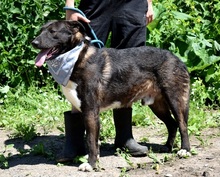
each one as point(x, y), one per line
point(72, 15)
point(150, 12)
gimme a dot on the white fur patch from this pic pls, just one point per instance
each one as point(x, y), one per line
point(148, 100)
point(116, 104)
point(182, 153)
point(70, 93)
point(85, 167)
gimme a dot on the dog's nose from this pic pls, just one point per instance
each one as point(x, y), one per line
point(35, 43)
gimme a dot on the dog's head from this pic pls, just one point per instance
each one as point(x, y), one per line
point(57, 37)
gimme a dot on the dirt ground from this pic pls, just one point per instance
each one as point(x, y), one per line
point(205, 163)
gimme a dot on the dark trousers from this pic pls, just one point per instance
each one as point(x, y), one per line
point(124, 19)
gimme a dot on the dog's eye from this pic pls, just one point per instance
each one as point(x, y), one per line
point(52, 31)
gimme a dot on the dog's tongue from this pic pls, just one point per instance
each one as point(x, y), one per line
point(41, 57)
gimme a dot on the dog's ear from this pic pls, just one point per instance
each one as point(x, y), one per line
point(77, 32)
point(76, 26)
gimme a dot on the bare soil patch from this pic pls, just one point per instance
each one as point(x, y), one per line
point(205, 163)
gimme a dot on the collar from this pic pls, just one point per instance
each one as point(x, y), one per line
point(62, 66)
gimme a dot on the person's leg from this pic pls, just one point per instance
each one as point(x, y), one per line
point(74, 137)
point(124, 138)
point(128, 30)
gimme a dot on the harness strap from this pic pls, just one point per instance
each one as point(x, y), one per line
point(95, 40)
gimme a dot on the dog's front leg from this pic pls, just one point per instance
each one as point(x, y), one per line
point(92, 125)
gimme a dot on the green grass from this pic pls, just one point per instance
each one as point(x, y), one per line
point(37, 111)
point(34, 110)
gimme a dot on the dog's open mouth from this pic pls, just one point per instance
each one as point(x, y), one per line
point(46, 54)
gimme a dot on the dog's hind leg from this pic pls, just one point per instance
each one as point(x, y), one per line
point(178, 97)
point(161, 109)
point(175, 86)
point(180, 111)
point(179, 105)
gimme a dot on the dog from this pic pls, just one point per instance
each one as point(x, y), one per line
point(109, 78)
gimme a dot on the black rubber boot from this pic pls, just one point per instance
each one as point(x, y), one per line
point(74, 137)
point(124, 138)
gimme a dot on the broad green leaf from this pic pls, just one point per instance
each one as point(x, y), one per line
point(209, 75)
point(151, 26)
point(158, 14)
point(15, 10)
point(181, 16)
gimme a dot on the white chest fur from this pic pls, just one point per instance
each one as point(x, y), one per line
point(70, 93)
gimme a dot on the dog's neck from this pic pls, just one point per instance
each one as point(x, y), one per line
point(62, 66)
point(87, 40)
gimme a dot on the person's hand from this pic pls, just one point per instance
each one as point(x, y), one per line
point(150, 14)
point(75, 16)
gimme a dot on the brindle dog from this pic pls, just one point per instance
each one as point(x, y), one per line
point(109, 78)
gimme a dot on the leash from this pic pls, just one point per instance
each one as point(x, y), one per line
point(99, 43)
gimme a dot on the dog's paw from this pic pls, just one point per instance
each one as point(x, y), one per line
point(183, 153)
point(86, 167)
